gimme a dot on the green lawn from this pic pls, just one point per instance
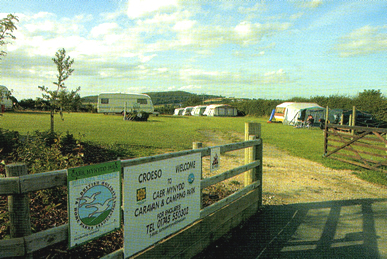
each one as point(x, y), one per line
point(170, 133)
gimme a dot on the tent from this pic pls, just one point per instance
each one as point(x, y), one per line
point(221, 110)
point(294, 112)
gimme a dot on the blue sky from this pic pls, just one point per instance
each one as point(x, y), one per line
point(248, 49)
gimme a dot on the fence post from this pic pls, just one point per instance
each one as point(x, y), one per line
point(326, 130)
point(197, 145)
point(19, 206)
point(353, 121)
point(253, 131)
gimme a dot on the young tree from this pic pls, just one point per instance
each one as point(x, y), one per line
point(7, 26)
point(58, 97)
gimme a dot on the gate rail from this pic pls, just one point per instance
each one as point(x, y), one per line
point(361, 146)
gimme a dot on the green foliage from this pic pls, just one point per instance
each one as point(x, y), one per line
point(42, 153)
point(372, 101)
point(7, 26)
point(165, 109)
point(176, 97)
point(259, 107)
point(60, 99)
point(193, 101)
point(8, 141)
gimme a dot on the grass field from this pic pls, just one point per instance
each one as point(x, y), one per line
point(171, 133)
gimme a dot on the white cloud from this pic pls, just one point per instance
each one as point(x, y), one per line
point(309, 4)
point(104, 29)
point(275, 77)
point(363, 41)
point(141, 8)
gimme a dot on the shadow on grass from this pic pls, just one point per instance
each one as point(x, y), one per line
point(333, 229)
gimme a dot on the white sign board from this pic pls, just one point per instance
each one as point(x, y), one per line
point(215, 159)
point(160, 198)
point(94, 199)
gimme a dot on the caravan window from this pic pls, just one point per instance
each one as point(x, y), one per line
point(104, 100)
point(280, 110)
point(142, 101)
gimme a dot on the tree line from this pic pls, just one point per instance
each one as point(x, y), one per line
point(370, 101)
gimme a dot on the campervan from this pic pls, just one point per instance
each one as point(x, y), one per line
point(118, 102)
point(5, 101)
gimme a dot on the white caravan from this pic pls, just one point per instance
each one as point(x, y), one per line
point(5, 101)
point(118, 102)
point(198, 110)
point(223, 110)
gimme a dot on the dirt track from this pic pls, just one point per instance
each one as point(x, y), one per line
point(288, 179)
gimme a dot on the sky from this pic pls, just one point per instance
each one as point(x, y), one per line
point(274, 49)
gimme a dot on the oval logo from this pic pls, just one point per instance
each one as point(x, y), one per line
point(191, 178)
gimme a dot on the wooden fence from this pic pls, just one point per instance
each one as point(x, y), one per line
point(360, 146)
point(215, 220)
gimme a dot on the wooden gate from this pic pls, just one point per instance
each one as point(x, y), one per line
point(360, 146)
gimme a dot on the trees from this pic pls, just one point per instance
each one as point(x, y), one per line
point(60, 97)
point(7, 26)
point(372, 101)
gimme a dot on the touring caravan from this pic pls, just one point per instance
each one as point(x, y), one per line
point(178, 111)
point(198, 110)
point(223, 110)
point(187, 111)
point(289, 112)
point(118, 102)
point(5, 101)
point(279, 113)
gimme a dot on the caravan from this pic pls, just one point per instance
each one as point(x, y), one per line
point(223, 110)
point(5, 102)
point(118, 102)
point(290, 112)
point(198, 110)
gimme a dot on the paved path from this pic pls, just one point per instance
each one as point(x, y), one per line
point(346, 229)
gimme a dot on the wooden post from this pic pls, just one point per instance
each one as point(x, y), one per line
point(326, 131)
point(353, 121)
point(125, 107)
point(197, 145)
point(19, 206)
point(251, 129)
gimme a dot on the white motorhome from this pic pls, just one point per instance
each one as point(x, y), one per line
point(118, 102)
point(5, 101)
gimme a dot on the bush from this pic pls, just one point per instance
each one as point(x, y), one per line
point(8, 141)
